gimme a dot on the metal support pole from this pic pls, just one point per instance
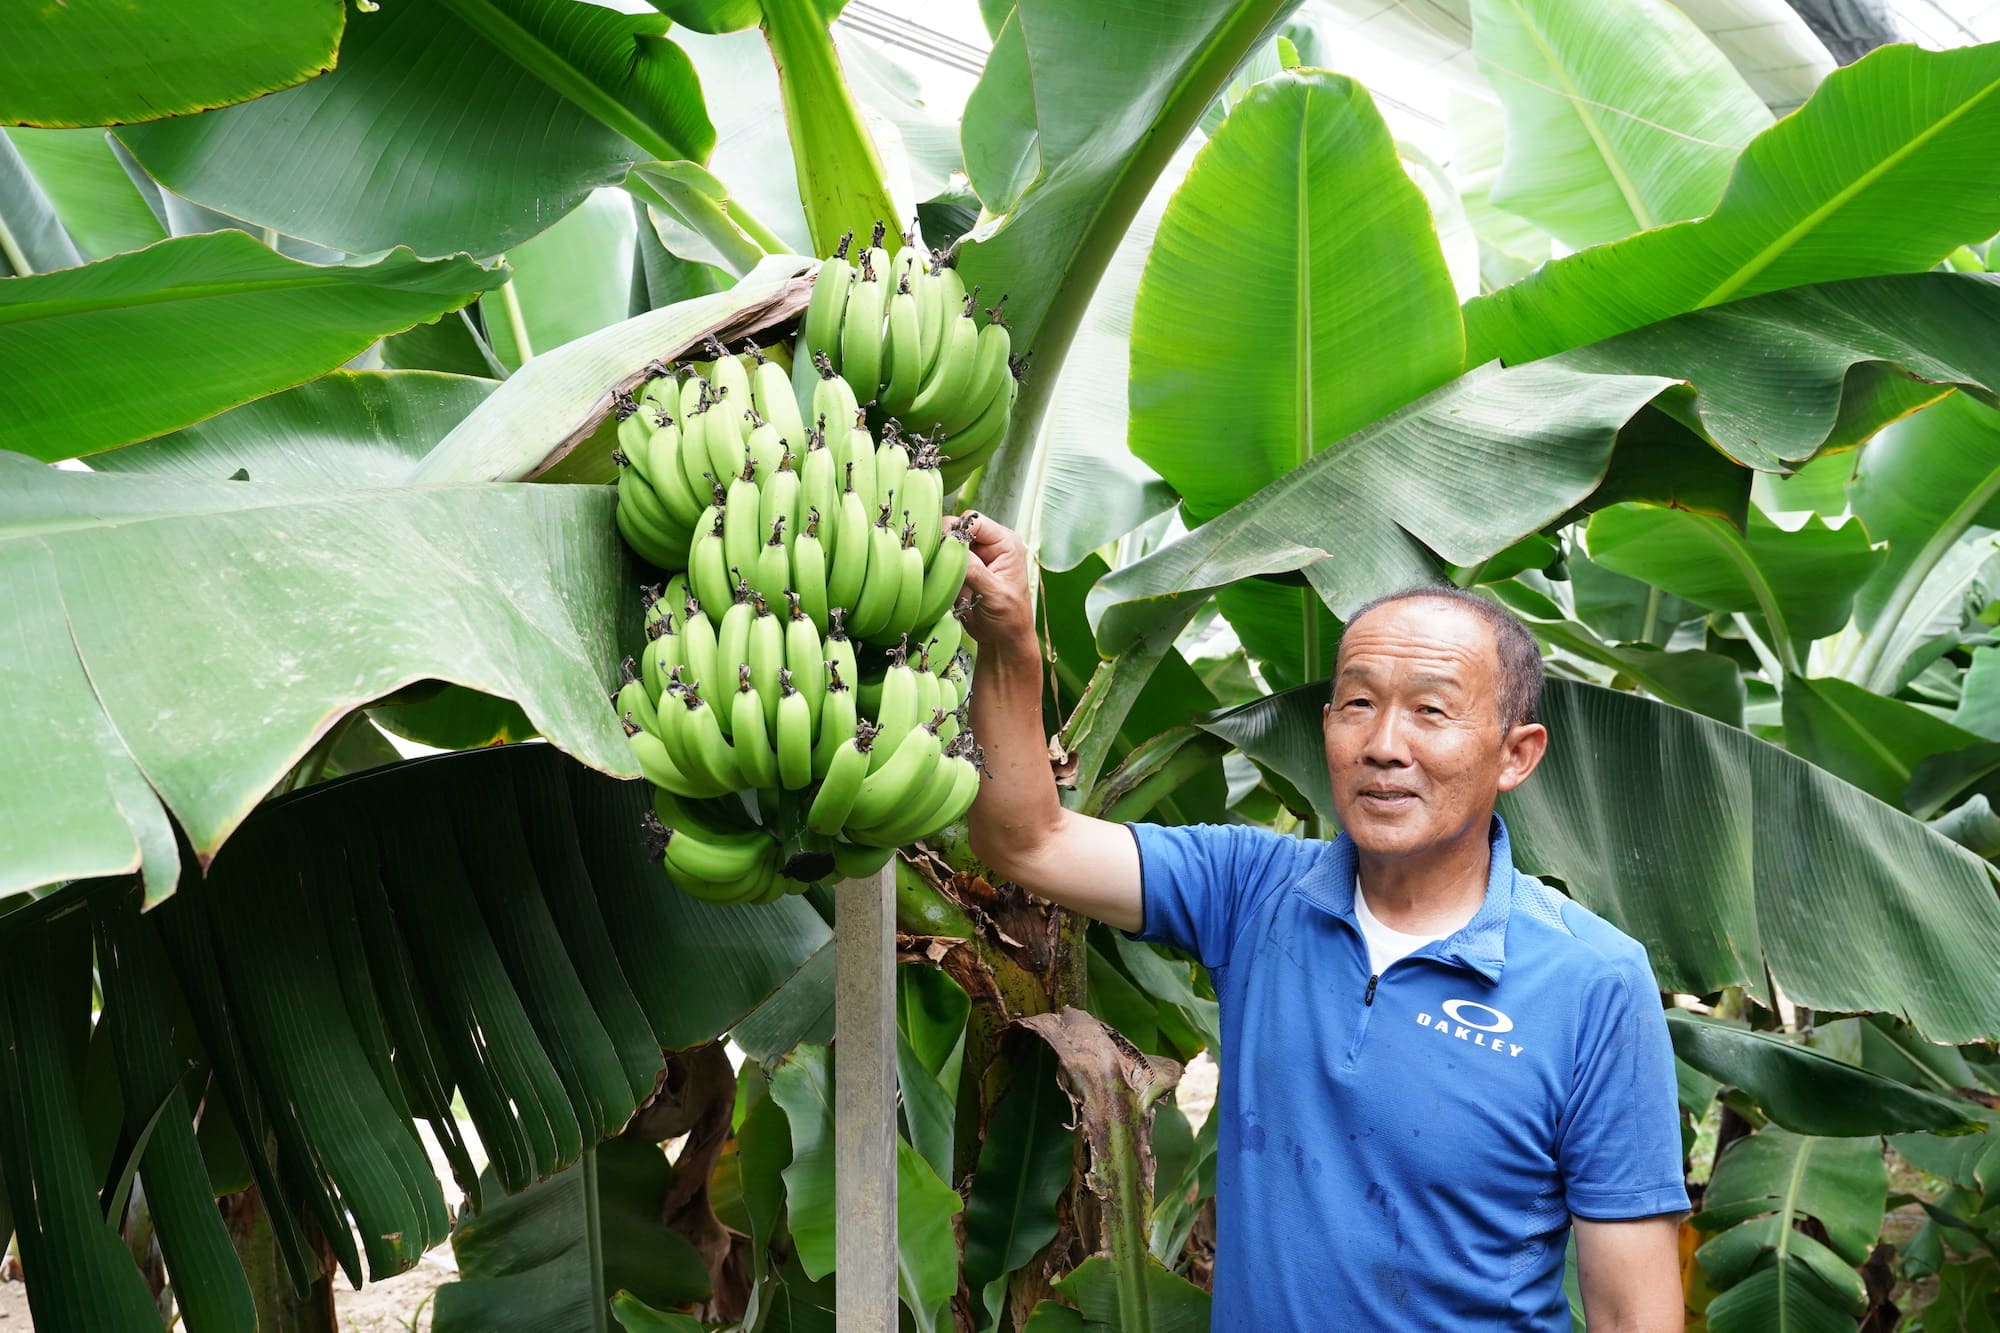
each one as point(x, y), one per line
point(864, 1103)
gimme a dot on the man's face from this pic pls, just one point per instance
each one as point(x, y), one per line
point(1414, 743)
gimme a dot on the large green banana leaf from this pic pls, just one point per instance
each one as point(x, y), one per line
point(557, 401)
point(100, 208)
point(32, 237)
point(1767, 41)
point(1077, 111)
point(1802, 583)
point(140, 344)
point(193, 638)
point(926, 1246)
point(485, 922)
point(346, 428)
point(549, 1260)
point(1871, 740)
point(1722, 854)
point(931, 1010)
point(109, 64)
point(1807, 1092)
point(1780, 376)
point(1885, 170)
point(1295, 293)
point(454, 125)
point(1084, 485)
point(1774, 1277)
point(1463, 472)
point(1921, 486)
point(1621, 114)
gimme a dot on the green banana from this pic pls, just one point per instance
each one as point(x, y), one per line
point(708, 563)
point(732, 636)
point(663, 469)
point(632, 701)
point(892, 460)
point(942, 392)
point(809, 570)
point(931, 312)
point(852, 862)
point(779, 494)
point(897, 713)
point(726, 435)
point(976, 443)
point(943, 636)
point(845, 773)
point(773, 575)
point(861, 332)
point(771, 395)
point(820, 334)
point(804, 655)
point(649, 544)
point(984, 378)
point(848, 572)
point(943, 580)
point(926, 812)
point(876, 605)
point(861, 453)
point(833, 401)
point(765, 656)
point(837, 721)
point(714, 860)
point(696, 734)
point(698, 646)
point(895, 784)
point(693, 418)
point(909, 583)
point(662, 654)
point(795, 735)
point(741, 530)
point(666, 540)
point(819, 486)
point(928, 691)
point(750, 737)
point(839, 647)
point(923, 498)
point(657, 762)
point(662, 390)
point(764, 444)
point(904, 354)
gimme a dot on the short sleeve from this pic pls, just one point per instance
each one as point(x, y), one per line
point(1620, 1141)
point(1198, 881)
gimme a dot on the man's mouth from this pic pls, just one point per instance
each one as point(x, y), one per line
point(1388, 798)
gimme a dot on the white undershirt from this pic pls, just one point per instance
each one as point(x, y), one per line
point(1386, 945)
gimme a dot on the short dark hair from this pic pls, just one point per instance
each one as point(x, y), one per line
point(1520, 656)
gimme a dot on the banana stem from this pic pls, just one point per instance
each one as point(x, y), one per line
point(10, 249)
point(736, 235)
point(517, 323)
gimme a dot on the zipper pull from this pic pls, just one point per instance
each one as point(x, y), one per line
point(1368, 997)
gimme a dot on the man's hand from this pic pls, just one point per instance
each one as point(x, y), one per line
point(1630, 1274)
point(996, 574)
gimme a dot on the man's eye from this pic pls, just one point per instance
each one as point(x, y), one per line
point(1356, 703)
point(1432, 709)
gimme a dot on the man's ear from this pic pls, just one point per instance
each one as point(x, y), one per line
point(1524, 747)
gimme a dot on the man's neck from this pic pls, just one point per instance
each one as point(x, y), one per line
point(1437, 889)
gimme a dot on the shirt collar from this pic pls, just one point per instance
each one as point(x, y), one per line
point(1479, 945)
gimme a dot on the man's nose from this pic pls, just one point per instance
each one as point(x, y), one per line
point(1387, 740)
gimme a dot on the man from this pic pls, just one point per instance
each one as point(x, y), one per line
point(1432, 1066)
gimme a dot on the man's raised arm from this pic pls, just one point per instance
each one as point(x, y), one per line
point(1018, 826)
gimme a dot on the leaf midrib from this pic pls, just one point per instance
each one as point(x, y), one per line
point(1790, 1208)
point(1791, 236)
point(1641, 215)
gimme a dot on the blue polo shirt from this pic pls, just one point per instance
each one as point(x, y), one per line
point(1405, 1151)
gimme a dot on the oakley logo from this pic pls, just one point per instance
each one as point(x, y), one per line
point(1474, 1026)
point(1456, 1009)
